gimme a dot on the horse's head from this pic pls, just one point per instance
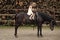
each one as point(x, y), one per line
point(52, 24)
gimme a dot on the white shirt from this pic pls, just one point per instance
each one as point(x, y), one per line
point(30, 10)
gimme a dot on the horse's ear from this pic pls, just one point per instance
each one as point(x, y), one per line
point(54, 22)
point(51, 24)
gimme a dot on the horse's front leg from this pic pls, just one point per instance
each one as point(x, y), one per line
point(40, 28)
point(39, 32)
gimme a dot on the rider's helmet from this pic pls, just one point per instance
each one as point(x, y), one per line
point(34, 6)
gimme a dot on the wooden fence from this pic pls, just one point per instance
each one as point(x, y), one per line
point(8, 10)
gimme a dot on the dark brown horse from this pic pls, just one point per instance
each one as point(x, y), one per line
point(39, 19)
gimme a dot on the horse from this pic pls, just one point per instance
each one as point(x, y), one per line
point(39, 18)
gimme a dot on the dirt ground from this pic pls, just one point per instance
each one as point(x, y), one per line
point(28, 34)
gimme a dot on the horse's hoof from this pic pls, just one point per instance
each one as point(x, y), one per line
point(37, 35)
point(15, 36)
point(41, 35)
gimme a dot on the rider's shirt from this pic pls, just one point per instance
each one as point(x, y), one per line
point(30, 10)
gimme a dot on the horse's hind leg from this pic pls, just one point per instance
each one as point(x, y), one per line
point(16, 27)
point(38, 31)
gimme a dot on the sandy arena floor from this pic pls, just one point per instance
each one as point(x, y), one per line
point(28, 34)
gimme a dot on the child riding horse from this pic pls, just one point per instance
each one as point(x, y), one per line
point(32, 8)
point(39, 20)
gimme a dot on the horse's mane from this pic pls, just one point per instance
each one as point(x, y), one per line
point(45, 16)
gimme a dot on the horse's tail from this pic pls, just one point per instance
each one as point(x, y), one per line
point(15, 16)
